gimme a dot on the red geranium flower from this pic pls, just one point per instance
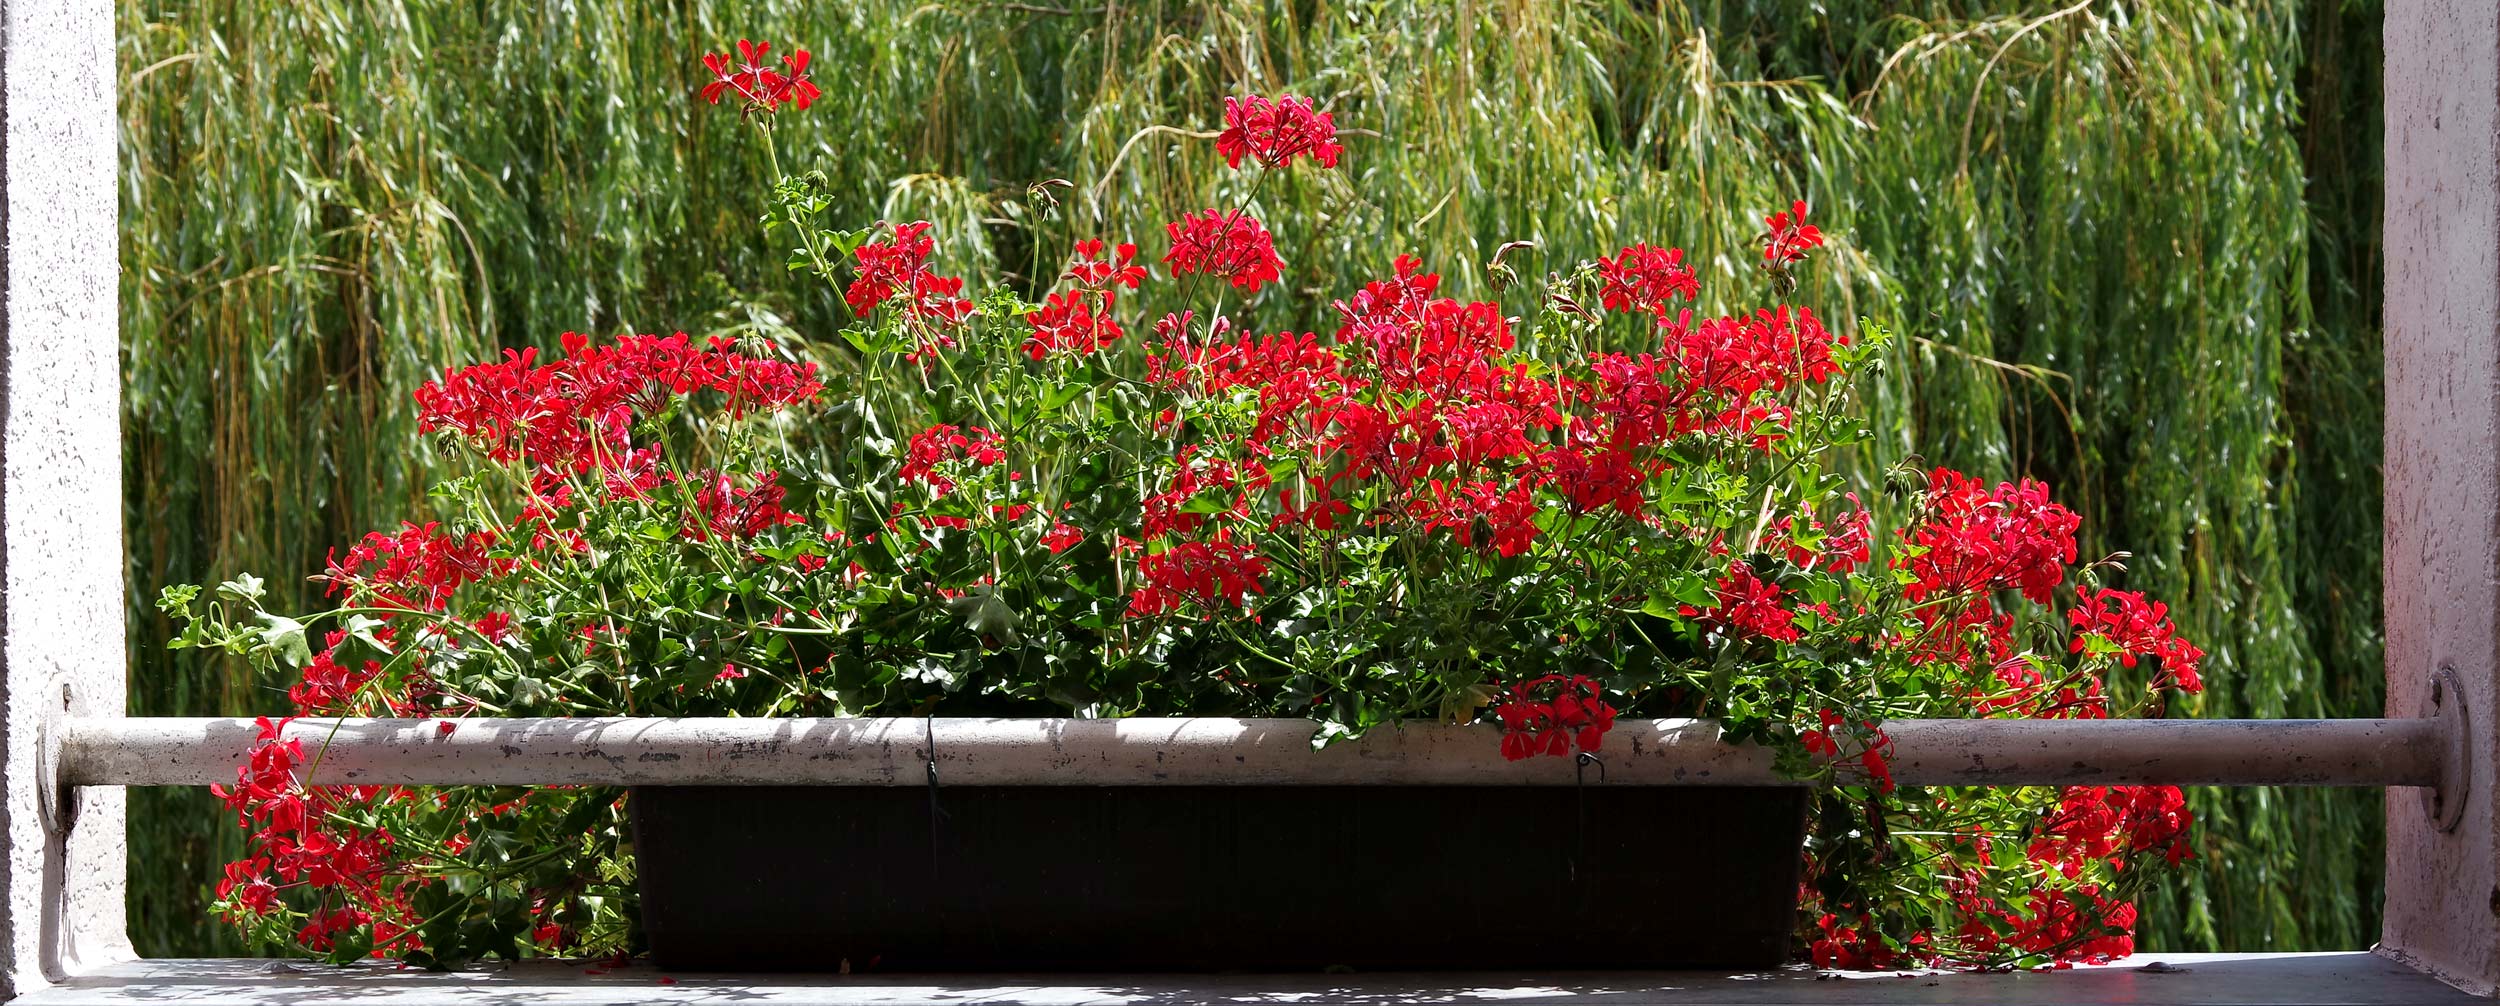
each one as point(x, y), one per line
point(1850, 948)
point(1094, 272)
point(1205, 572)
point(2136, 627)
point(759, 84)
point(1979, 540)
point(1748, 606)
point(1229, 245)
point(1791, 236)
point(1504, 516)
point(889, 266)
point(1554, 715)
point(1642, 278)
point(1843, 544)
point(943, 444)
point(573, 415)
point(1079, 320)
point(1274, 132)
point(1819, 742)
point(1069, 321)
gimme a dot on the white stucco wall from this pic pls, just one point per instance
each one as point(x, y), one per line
point(60, 475)
point(2443, 460)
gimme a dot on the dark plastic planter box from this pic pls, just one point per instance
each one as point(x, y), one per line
point(1217, 878)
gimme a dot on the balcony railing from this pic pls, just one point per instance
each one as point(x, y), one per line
point(2427, 753)
point(1208, 751)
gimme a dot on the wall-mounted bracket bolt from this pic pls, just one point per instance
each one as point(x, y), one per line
point(2444, 803)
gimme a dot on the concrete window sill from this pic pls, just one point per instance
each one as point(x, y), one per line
point(2318, 978)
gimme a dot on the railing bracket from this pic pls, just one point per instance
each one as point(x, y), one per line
point(2444, 803)
point(56, 798)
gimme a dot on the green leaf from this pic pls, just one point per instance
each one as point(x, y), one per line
point(245, 588)
point(365, 629)
point(846, 242)
point(1695, 590)
point(1330, 732)
point(986, 614)
point(931, 670)
point(1678, 493)
point(1063, 394)
point(868, 341)
point(176, 599)
point(285, 637)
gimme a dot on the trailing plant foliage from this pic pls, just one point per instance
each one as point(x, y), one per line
point(1575, 501)
point(2088, 224)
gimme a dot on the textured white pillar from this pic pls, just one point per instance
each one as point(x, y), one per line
point(2443, 463)
point(61, 623)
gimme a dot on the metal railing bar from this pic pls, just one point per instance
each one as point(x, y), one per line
point(1209, 751)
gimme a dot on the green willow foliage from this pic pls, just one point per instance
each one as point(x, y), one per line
point(2131, 246)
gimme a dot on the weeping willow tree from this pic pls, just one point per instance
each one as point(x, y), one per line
point(2132, 247)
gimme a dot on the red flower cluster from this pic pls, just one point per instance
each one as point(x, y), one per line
point(1554, 715)
point(2030, 693)
point(724, 509)
point(1436, 345)
point(1420, 393)
point(1874, 755)
point(1093, 271)
point(2100, 822)
point(760, 84)
point(1839, 547)
point(1230, 246)
point(1273, 133)
point(1737, 358)
point(2090, 824)
point(1593, 478)
point(1312, 507)
point(1642, 278)
point(1790, 237)
point(573, 415)
point(1062, 537)
point(1974, 541)
point(1174, 511)
point(1217, 366)
point(326, 683)
point(1203, 572)
point(899, 266)
point(1503, 517)
point(941, 445)
point(1719, 377)
point(1079, 320)
point(2135, 627)
point(2012, 537)
point(1747, 607)
point(1819, 741)
point(1850, 948)
point(1069, 323)
point(418, 569)
point(300, 838)
point(2082, 926)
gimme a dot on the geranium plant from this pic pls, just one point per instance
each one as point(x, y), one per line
point(1571, 505)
